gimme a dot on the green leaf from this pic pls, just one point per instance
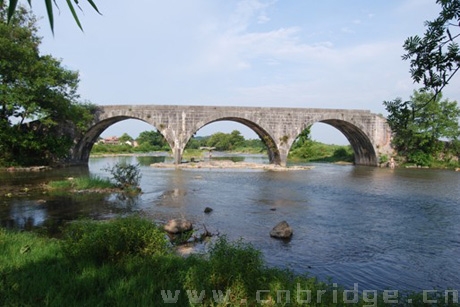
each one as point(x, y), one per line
point(25, 249)
point(448, 33)
point(72, 9)
point(49, 9)
point(93, 5)
point(11, 8)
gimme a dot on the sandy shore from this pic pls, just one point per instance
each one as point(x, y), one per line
point(229, 164)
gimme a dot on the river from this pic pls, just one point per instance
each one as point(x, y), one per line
point(381, 228)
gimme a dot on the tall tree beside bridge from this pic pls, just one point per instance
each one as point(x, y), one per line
point(37, 97)
point(424, 126)
point(421, 123)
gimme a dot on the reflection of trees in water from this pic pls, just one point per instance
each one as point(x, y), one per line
point(126, 201)
point(25, 215)
point(231, 158)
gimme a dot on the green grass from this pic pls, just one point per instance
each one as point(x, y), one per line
point(314, 151)
point(197, 154)
point(129, 262)
point(80, 183)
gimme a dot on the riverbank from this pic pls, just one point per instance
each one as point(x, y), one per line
point(26, 169)
point(128, 262)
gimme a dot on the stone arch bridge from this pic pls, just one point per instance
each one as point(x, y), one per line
point(368, 133)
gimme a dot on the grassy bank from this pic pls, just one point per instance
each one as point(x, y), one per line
point(313, 151)
point(80, 183)
point(401, 161)
point(129, 262)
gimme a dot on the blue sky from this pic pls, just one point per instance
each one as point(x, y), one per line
point(285, 53)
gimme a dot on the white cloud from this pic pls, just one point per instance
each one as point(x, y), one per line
point(347, 30)
point(251, 52)
point(262, 19)
point(245, 11)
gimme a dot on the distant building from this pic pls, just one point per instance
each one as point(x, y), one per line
point(132, 143)
point(114, 140)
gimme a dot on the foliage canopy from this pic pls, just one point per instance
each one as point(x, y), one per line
point(39, 109)
point(421, 124)
point(435, 57)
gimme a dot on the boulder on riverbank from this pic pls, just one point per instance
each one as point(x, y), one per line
point(281, 231)
point(176, 226)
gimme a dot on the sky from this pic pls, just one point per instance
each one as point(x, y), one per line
point(258, 53)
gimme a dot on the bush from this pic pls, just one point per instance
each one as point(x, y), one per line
point(383, 159)
point(420, 158)
point(109, 241)
point(344, 154)
point(126, 176)
point(236, 267)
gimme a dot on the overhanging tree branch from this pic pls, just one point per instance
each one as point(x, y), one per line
point(435, 58)
point(12, 7)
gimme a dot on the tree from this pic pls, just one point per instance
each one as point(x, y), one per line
point(219, 140)
point(421, 124)
point(302, 139)
point(152, 141)
point(196, 142)
point(435, 58)
point(13, 8)
point(226, 141)
point(39, 108)
point(125, 138)
point(236, 139)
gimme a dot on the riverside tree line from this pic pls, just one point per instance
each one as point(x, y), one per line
point(303, 149)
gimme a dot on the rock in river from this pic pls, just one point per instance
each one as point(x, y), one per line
point(178, 226)
point(282, 230)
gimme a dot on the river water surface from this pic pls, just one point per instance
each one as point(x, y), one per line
point(381, 228)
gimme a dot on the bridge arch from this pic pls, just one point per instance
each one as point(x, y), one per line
point(83, 148)
point(267, 139)
point(363, 148)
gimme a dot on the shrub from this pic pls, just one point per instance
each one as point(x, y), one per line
point(420, 158)
point(344, 154)
point(126, 176)
point(383, 159)
point(236, 267)
point(108, 241)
